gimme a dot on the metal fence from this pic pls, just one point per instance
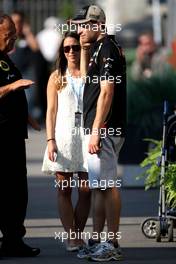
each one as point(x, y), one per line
point(38, 10)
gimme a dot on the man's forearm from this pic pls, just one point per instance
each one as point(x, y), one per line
point(103, 107)
point(84, 62)
point(4, 90)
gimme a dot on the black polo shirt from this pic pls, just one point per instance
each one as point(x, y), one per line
point(107, 63)
point(13, 106)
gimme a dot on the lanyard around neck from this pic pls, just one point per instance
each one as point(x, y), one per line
point(78, 94)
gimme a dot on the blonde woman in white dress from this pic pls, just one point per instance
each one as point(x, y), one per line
point(65, 153)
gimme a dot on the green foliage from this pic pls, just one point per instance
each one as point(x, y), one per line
point(145, 101)
point(130, 55)
point(171, 185)
point(152, 172)
point(67, 9)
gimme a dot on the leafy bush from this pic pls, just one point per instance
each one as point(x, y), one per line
point(145, 102)
point(152, 172)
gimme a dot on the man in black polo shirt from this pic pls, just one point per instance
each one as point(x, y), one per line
point(13, 131)
point(104, 122)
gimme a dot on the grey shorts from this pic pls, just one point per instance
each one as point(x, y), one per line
point(102, 167)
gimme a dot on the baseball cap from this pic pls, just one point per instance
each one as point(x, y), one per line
point(88, 13)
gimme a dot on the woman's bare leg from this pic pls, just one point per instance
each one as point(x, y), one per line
point(65, 206)
point(82, 208)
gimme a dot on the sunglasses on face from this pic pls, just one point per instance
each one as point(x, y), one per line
point(73, 47)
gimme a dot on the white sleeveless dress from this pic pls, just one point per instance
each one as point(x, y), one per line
point(70, 141)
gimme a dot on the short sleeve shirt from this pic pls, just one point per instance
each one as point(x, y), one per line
point(13, 106)
point(107, 63)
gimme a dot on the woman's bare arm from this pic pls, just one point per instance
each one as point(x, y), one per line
point(52, 104)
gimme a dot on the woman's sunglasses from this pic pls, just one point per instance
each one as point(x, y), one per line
point(73, 47)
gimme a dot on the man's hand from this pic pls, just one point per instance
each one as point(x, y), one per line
point(87, 45)
point(85, 58)
point(94, 144)
point(26, 29)
point(33, 123)
point(140, 54)
point(20, 84)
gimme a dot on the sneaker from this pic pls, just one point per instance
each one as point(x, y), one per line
point(106, 252)
point(85, 250)
point(117, 248)
point(72, 248)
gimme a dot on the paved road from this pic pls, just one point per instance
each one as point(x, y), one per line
point(42, 219)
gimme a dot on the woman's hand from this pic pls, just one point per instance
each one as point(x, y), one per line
point(52, 150)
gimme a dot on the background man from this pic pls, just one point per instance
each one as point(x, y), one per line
point(150, 60)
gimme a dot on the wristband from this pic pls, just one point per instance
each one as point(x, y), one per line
point(50, 139)
point(85, 47)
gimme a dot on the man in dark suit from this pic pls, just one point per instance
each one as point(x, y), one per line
point(13, 131)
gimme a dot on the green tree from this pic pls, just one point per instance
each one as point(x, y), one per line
point(67, 9)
